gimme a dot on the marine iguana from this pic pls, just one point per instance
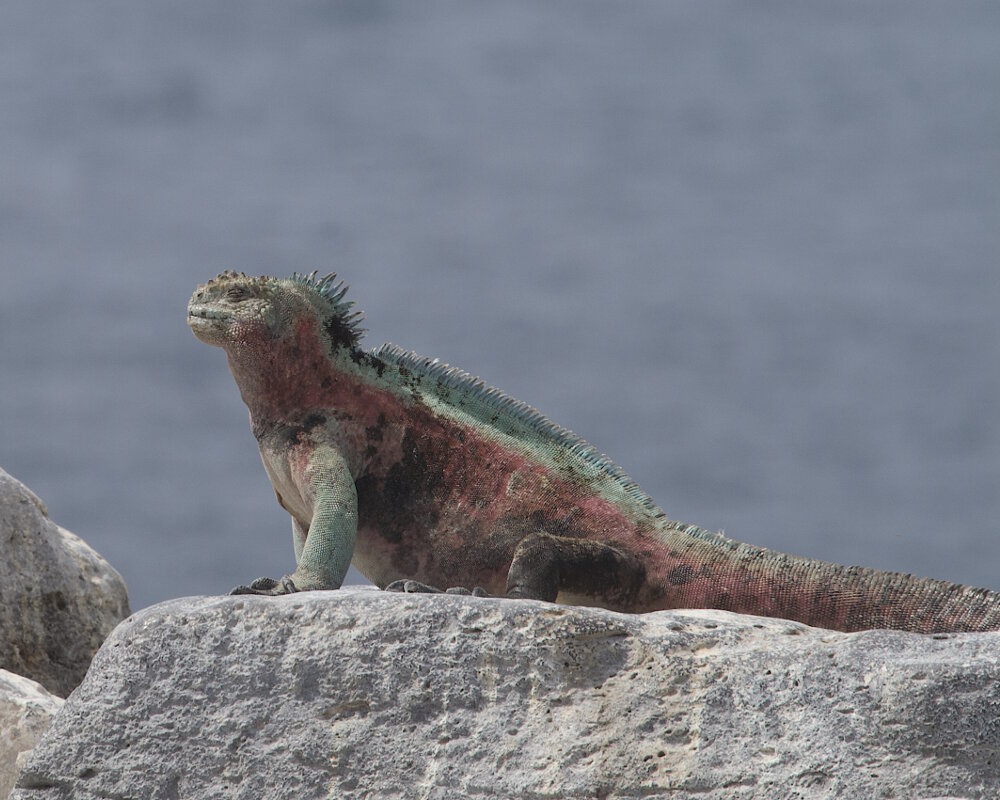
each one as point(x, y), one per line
point(427, 477)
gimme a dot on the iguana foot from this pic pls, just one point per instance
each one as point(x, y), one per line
point(475, 591)
point(416, 587)
point(268, 586)
point(411, 587)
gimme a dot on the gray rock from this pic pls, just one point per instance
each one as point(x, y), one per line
point(26, 710)
point(58, 598)
point(362, 693)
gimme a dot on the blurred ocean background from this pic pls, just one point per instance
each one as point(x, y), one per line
point(750, 250)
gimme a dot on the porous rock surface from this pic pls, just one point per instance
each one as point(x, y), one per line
point(59, 598)
point(26, 709)
point(359, 693)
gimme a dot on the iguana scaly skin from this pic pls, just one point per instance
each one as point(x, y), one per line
point(425, 476)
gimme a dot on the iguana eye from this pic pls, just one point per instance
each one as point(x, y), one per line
point(237, 293)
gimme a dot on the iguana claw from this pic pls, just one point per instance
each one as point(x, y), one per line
point(267, 586)
point(412, 587)
point(416, 587)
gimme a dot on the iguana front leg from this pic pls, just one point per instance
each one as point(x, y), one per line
point(323, 551)
point(545, 565)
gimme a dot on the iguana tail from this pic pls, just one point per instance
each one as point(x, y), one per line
point(710, 571)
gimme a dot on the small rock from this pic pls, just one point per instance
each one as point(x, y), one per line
point(363, 693)
point(58, 598)
point(26, 710)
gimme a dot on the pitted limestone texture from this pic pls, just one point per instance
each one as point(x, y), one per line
point(364, 693)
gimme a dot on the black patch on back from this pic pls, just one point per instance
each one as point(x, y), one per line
point(367, 360)
point(341, 334)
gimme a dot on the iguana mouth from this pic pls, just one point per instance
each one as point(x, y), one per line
point(209, 324)
point(203, 312)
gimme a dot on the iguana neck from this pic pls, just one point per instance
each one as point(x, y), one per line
point(284, 380)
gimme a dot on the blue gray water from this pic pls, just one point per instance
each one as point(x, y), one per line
point(751, 251)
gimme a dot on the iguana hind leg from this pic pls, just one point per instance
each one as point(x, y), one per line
point(545, 565)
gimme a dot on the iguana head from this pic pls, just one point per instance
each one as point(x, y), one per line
point(234, 310)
